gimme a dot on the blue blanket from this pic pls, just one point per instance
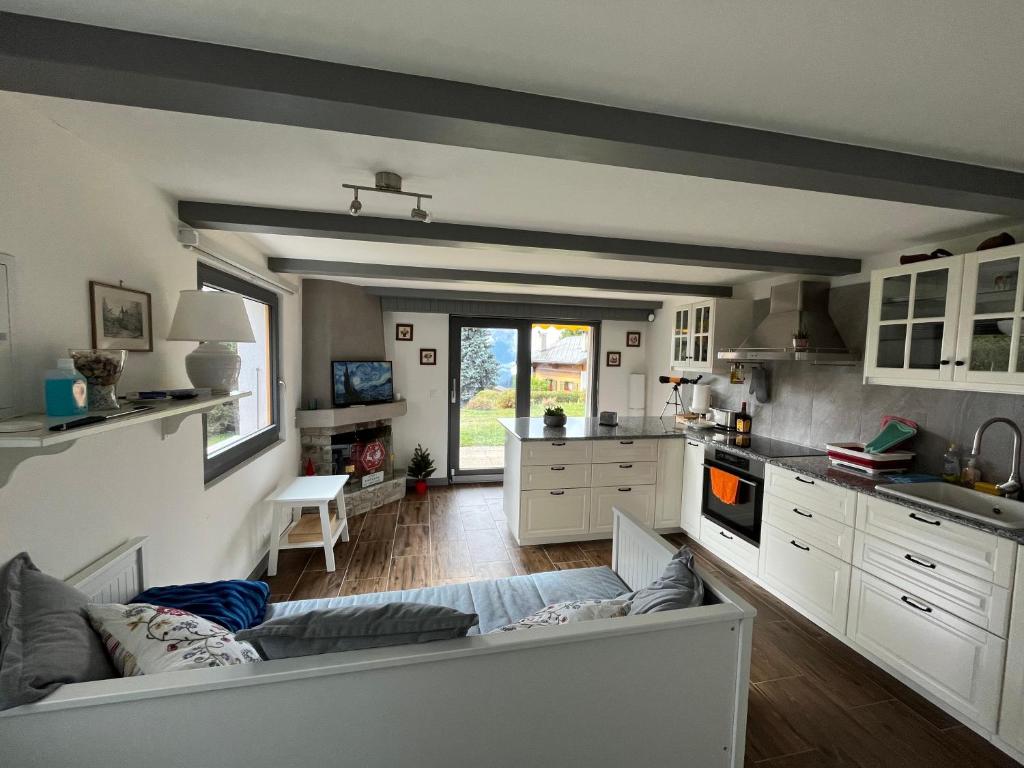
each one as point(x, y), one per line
point(498, 602)
point(234, 605)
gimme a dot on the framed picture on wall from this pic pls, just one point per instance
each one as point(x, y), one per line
point(632, 338)
point(613, 359)
point(122, 318)
point(403, 331)
point(428, 357)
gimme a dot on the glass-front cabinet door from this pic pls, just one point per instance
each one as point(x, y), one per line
point(991, 319)
point(703, 328)
point(681, 337)
point(912, 321)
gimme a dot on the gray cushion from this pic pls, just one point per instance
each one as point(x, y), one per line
point(355, 627)
point(45, 636)
point(678, 587)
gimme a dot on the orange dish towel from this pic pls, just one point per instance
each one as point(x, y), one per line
point(724, 485)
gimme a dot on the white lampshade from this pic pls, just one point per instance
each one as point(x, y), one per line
point(210, 316)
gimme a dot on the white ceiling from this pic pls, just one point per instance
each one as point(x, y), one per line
point(945, 82)
point(941, 78)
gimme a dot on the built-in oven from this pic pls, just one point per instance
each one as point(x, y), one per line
point(733, 492)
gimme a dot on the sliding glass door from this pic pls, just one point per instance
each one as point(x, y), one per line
point(507, 368)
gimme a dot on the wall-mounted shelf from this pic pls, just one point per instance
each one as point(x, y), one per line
point(16, 447)
point(355, 414)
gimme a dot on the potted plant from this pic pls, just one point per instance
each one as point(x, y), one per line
point(800, 340)
point(421, 466)
point(554, 416)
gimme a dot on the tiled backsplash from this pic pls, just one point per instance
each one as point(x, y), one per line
point(815, 404)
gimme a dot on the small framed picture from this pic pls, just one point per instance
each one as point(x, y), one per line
point(122, 318)
point(613, 359)
point(428, 357)
point(632, 338)
point(403, 331)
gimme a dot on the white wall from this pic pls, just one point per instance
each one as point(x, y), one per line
point(424, 386)
point(614, 382)
point(70, 214)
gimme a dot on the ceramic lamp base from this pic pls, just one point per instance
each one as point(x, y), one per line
point(215, 366)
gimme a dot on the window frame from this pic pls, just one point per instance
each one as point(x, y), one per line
point(245, 449)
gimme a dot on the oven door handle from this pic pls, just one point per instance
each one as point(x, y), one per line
point(747, 482)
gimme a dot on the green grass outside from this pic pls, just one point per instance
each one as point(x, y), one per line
point(482, 427)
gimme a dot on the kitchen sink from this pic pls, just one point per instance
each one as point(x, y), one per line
point(996, 510)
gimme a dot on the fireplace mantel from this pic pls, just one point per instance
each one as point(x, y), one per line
point(355, 414)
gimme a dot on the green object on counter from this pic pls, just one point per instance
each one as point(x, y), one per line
point(892, 434)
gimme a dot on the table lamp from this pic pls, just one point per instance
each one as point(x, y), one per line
point(213, 318)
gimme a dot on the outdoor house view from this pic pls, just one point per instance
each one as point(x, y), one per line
point(560, 375)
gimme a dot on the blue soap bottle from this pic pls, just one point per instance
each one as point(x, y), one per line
point(65, 389)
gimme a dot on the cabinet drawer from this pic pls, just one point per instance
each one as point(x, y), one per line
point(965, 549)
point(556, 452)
point(728, 546)
point(821, 531)
point(555, 513)
point(955, 660)
point(971, 598)
point(626, 473)
point(638, 500)
point(608, 451)
point(810, 578)
point(812, 494)
point(556, 476)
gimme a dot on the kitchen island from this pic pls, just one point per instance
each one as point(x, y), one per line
point(561, 484)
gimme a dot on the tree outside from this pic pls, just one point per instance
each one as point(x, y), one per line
point(480, 367)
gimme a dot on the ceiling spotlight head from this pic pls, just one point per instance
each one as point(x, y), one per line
point(356, 206)
point(418, 214)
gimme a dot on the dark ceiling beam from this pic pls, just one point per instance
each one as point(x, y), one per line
point(77, 61)
point(338, 226)
point(512, 298)
point(316, 267)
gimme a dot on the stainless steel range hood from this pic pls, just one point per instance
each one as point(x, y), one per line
point(798, 306)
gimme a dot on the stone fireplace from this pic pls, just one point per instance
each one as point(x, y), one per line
point(361, 449)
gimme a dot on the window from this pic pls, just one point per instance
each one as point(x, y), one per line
point(236, 431)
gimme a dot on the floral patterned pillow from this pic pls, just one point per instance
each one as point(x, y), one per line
point(572, 611)
point(144, 639)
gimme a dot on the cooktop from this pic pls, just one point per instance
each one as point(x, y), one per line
point(768, 447)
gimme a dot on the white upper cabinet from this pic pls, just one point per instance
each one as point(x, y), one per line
point(699, 330)
point(952, 323)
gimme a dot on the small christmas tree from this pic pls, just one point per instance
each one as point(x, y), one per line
point(421, 466)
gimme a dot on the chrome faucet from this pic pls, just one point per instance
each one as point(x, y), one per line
point(1011, 488)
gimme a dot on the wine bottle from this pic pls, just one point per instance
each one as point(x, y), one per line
point(744, 423)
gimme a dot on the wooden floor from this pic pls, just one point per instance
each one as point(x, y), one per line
point(814, 703)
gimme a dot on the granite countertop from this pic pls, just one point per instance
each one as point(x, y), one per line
point(819, 468)
point(587, 428)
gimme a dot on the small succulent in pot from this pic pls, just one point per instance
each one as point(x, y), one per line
point(800, 340)
point(554, 416)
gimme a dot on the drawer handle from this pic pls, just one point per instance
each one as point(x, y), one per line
point(558, 469)
point(558, 445)
point(913, 516)
point(557, 493)
point(915, 561)
point(725, 535)
point(802, 514)
point(625, 466)
point(625, 490)
point(915, 604)
point(693, 445)
point(625, 442)
point(801, 480)
point(799, 546)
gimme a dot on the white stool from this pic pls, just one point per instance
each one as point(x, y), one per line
point(318, 491)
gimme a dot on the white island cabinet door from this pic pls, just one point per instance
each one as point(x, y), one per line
point(558, 512)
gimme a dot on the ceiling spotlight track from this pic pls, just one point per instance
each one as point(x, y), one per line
point(389, 183)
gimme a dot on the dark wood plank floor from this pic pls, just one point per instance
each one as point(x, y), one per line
point(814, 703)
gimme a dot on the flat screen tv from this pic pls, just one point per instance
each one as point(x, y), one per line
point(361, 383)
